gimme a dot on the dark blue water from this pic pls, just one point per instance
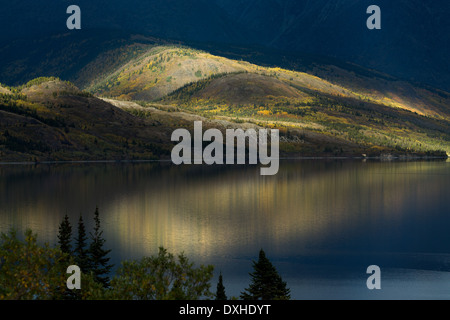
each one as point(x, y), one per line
point(322, 223)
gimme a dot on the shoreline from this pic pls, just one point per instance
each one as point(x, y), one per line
point(376, 158)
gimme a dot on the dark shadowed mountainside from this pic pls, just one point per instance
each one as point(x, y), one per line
point(414, 42)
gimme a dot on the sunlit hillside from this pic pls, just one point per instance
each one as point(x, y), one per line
point(151, 72)
point(131, 98)
point(379, 113)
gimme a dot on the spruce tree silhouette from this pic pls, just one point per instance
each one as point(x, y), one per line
point(98, 255)
point(80, 251)
point(220, 293)
point(65, 244)
point(266, 283)
point(65, 236)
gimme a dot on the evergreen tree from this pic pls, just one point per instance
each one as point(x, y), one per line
point(220, 293)
point(65, 244)
point(266, 282)
point(65, 236)
point(81, 252)
point(98, 255)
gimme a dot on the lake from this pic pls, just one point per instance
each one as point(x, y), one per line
point(320, 222)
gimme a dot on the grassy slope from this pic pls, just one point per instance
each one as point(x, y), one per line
point(151, 72)
point(375, 127)
point(348, 114)
point(157, 72)
point(56, 121)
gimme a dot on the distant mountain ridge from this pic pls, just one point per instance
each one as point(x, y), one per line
point(414, 42)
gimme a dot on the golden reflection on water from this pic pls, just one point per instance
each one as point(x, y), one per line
point(226, 211)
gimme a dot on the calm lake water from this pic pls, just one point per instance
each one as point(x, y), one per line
point(322, 223)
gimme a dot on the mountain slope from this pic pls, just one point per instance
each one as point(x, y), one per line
point(156, 71)
point(56, 121)
point(172, 19)
point(154, 88)
point(414, 41)
point(372, 127)
point(367, 109)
